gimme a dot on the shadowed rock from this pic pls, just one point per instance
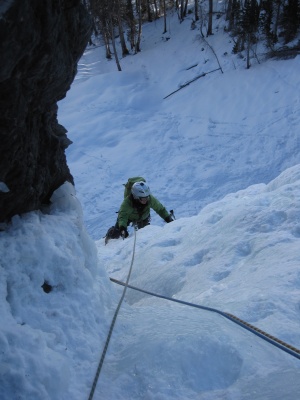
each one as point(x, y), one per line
point(40, 45)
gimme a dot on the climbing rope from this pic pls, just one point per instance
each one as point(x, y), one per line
point(269, 338)
point(112, 324)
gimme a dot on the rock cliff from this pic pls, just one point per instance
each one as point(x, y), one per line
point(40, 45)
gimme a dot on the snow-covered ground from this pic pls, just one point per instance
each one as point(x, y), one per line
point(222, 152)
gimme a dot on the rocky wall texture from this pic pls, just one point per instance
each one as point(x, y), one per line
point(41, 42)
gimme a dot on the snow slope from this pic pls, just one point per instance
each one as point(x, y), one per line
point(220, 134)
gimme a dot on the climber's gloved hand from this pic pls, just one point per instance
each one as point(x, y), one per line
point(169, 219)
point(124, 232)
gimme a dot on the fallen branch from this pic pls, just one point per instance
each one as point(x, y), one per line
point(192, 80)
point(206, 42)
point(192, 66)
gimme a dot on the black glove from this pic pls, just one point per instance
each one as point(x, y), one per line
point(169, 219)
point(124, 232)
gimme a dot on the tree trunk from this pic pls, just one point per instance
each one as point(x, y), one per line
point(232, 14)
point(106, 35)
point(229, 10)
point(181, 10)
point(196, 10)
point(138, 42)
point(114, 43)
point(125, 51)
point(248, 41)
point(121, 33)
point(165, 17)
point(185, 8)
point(275, 29)
point(156, 10)
point(149, 11)
point(210, 14)
point(131, 23)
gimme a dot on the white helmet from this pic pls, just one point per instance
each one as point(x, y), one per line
point(140, 189)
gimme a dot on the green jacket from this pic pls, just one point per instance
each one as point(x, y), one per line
point(133, 211)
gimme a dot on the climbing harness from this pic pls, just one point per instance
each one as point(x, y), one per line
point(269, 338)
point(112, 324)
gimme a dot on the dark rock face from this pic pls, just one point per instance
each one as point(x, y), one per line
point(41, 42)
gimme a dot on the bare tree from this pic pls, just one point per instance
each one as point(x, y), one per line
point(228, 10)
point(156, 9)
point(181, 11)
point(165, 16)
point(196, 10)
point(210, 15)
point(131, 23)
point(118, 14)
point(278, 3)
point(185, 8)
point(139, 34)
point(149, 13)
point(107, 16)
point(115, 15)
